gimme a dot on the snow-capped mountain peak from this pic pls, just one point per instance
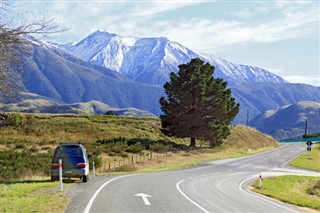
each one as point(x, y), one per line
point(151, 60)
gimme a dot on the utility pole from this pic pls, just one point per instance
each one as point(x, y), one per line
point(247, 117)
point(306, 128)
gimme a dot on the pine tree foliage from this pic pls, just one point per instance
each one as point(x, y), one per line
point(197, 105)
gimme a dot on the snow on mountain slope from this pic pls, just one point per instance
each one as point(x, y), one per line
point(151, 60)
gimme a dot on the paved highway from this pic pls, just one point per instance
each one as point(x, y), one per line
point(217, 186)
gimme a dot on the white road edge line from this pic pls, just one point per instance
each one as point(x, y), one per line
point(261, 198)
point(88, 207)
point(292, 158)
point(194, 203)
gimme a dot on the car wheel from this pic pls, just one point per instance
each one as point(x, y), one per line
point(85, 178)
point(53, 178)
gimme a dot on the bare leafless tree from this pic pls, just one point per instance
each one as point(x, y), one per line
point(13, 43)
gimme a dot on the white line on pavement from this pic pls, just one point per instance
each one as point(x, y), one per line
point(88, 207)
point(194, 203)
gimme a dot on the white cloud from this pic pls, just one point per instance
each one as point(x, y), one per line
point(151, 8)
point(312, 80)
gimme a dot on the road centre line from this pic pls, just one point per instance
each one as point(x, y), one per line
point(88, 207)
point(260, 196)
point(189, 199)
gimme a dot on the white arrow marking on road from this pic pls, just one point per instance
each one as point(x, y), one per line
point(144, 198)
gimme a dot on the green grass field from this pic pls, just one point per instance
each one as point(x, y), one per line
point(298, 190)
point(32, 196)
point(312, 163)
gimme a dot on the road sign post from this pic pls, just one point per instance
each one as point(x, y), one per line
point(309, 144)
point(260, 181)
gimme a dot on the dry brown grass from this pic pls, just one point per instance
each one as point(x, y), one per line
point(46, 131)
point(242, 141)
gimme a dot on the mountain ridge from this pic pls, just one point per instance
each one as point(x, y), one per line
point(57, 75)
point(151, 60)
point(289, 121)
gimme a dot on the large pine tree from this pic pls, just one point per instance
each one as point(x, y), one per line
point(198, 105)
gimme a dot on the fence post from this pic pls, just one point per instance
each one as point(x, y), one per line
point(132, 159)
point(109, 166)
point(93, 169)
point(60, 174)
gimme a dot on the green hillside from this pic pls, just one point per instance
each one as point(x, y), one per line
point(32, 138)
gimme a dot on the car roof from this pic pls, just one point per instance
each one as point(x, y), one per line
point(71, 144)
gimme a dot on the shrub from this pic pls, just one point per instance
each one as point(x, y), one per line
point(20, 146)
point(124, 155)
point(135, 148)
point(125, 168)
point(160, 148)
point(34, 149)
point(315, 190)
point(97, 161)
point(14, 120)
point(14, 165)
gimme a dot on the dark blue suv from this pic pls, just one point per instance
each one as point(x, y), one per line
point(75, 162)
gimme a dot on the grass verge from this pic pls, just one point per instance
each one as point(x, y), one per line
point(312, 163)
point(32, 196)
point(298, 190)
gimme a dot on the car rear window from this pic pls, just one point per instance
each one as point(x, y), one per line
point(69, 151)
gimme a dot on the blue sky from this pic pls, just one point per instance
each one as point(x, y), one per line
point(280, 36)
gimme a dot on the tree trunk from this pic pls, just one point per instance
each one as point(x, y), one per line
point(192, 142)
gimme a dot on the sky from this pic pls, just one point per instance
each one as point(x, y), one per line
point(280, 36)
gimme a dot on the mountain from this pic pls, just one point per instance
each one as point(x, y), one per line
point(54, 73)
point(39, 105)
point(151, 60)
point(257, 98)
point(289, 121)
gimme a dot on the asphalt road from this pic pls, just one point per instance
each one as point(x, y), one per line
point(217, 186)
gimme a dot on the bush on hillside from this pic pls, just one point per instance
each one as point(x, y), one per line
point(14, 120)
point(14, 165)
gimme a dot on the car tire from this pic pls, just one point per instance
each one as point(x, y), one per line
point(53, 178)
point(85, 178)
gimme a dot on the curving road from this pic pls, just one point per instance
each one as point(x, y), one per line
point(217, 186)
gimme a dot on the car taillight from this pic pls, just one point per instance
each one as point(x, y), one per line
point(81, 165)
point(54, 166)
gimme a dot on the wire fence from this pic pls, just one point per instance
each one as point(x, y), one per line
point(134, 159)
